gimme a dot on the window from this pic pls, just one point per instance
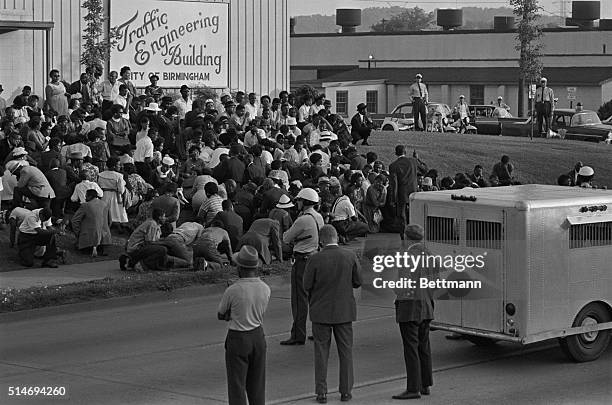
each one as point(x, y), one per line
point(372, 101)
point(483, 234)
point(342, 102)
point(590, 235)
point(477, 94)
point(442, 230)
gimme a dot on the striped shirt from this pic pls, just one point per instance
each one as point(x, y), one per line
point(210, 208)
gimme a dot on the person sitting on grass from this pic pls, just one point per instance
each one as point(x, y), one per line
point(33, 233)
point(91, 224)
point(212, 244)
point(141, 247)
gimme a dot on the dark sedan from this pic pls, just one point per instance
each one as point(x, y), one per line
point(569, 124)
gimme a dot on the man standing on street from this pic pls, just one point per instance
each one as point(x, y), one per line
point(243, 306)
point(403, 175)
point(544, 106)
point(329, 279)
point(420, 98)
point(414, 309)
point(304, 235)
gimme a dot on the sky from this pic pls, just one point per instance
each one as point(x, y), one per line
point(328, 7)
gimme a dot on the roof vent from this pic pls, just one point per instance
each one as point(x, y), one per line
point(348, 18)
point(584, 13)
point(449, 18)
point(503, 23)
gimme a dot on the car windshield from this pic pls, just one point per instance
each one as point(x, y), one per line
point(585, 118)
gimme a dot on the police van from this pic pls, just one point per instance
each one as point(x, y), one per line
point(547, 253)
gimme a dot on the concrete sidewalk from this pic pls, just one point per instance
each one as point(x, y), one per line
point(64, 274)
point(74, 273)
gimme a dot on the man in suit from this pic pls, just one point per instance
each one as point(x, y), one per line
point(83, 87)
point(329, 279)
point(233, 168)
point(58, 181)
point(91, 224)
point(414, 309)
point(403, 175)
point(361, 125)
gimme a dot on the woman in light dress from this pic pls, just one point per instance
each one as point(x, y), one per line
point(113, 185)
point(55, 94)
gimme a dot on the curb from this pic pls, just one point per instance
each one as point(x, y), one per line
point(275, 282)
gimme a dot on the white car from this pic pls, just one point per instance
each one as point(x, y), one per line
point(400, 119)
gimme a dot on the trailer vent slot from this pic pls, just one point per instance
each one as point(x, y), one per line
point(483, 234)
point(442, 230)
point(590, 235)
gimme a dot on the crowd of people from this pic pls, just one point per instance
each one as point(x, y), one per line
point(192, 179)
point(231, 180)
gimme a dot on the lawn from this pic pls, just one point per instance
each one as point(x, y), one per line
point(535, 161)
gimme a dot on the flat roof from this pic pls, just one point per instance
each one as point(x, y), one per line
point(13, 25)
point(523, 197)
point(481, 75)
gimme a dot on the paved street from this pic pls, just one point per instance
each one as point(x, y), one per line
point(170, 351)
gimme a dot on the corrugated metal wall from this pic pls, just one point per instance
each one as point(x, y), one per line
point(259, 45)
point(23, 52)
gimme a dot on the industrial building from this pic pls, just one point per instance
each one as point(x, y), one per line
point(378, 68)
point(39, 35)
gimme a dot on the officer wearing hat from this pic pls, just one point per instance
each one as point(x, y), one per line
point(414, 309)
point(420, 98)
point(243, 305)
point(304, 235)
point(544, 106)
point(585, 176)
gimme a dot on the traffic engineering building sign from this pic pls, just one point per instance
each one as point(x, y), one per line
point(182, 42)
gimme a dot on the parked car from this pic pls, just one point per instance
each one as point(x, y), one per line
point(484, 119)
point(569, 124)
point(400, 119)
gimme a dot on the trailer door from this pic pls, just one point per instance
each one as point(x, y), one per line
point(483, 236)
point(442, 235)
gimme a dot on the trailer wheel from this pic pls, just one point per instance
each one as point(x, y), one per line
point(588, 346)
point(388, 128)
point(481, 341)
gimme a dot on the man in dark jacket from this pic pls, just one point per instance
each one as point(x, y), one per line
point(414, 309)
point(233, 168)
point(58, 181)
point(403, 175)
point(361, 125)
point(329, 279)
point(83, 87)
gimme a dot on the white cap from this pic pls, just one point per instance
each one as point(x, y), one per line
point(543, 79)
point(291, 121)
point(13, 165)
point(167, 160)
point(500, 98)
point(210, 100)
point(586, 171)
point(308, 194)
point(19, 151)
point(419, 76)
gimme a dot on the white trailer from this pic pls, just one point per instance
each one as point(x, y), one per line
point(548, 263)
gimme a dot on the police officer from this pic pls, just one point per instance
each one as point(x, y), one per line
point(420, 98)
point(304, 235)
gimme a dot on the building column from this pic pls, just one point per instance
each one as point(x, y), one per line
point(391, 98)
point(501, 91)
point(445, 94)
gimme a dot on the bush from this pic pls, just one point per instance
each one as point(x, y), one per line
point(605, 111)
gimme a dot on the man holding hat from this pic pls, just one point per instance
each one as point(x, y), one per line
point(414, 309)
point(544, 106)
point(361, 125)
point(420, 98)
point(243, 305)
point(304, 235)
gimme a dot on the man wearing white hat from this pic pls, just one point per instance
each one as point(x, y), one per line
point(304, 235)
point(243, 305)
point(420, 98)
point(544, 105)
point(31, 183)
point(585, 176)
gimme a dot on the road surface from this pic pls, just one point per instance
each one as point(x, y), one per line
point(170, 351)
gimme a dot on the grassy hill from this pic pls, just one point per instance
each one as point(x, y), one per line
point(536, 161)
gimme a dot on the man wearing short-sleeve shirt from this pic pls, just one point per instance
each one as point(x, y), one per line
point(243, 305)
point(32, 234)
point(420, 98)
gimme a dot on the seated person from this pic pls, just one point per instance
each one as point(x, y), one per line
point(33, 232)
point(344, 219)
point(141, 247)
point(212, 244)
